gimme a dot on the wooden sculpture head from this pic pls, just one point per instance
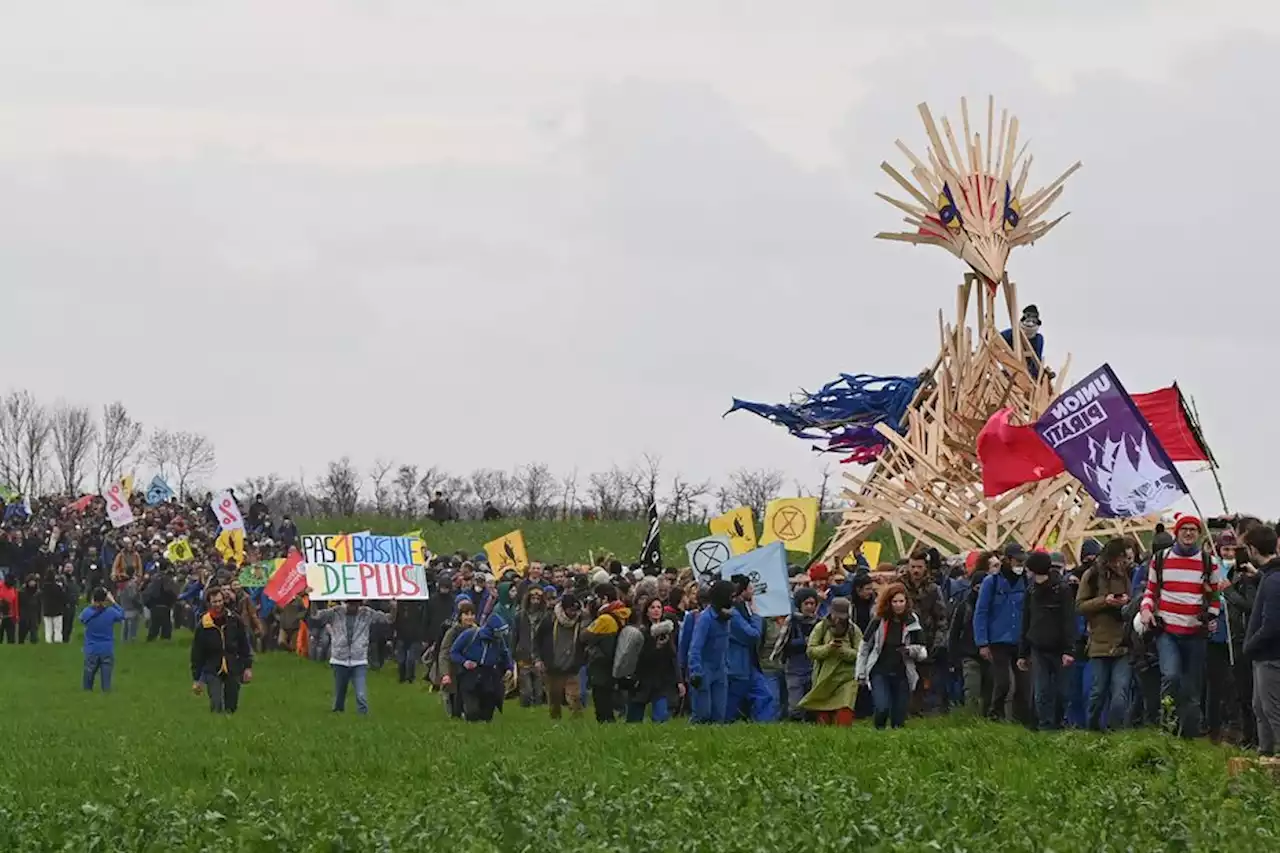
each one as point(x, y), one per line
point(967, 198)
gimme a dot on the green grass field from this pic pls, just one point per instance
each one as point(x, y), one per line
point(547, 541)
point(148, 768)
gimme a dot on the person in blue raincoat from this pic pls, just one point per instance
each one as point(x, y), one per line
point(997, 628)
point(482, 657)
point(707, 652)
point(748, 695)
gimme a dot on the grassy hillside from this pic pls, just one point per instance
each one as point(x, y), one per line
point(547, 541)
point(147, 768)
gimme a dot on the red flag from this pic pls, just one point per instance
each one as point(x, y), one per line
point(82, 504)
point(288, 580)
point(1014, 455)
point(1167, 414)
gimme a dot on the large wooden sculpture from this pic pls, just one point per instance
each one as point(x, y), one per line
point(969, 196)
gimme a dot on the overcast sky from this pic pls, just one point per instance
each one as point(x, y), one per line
point(486, 233)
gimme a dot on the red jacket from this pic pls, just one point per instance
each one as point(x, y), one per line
point(10, 594)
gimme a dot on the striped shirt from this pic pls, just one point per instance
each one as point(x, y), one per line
point(1182, 591)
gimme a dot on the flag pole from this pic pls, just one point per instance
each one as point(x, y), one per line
point(1213, 462)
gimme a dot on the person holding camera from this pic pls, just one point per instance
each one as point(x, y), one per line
point(99, 620)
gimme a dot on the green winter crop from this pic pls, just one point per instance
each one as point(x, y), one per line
point(148, 768)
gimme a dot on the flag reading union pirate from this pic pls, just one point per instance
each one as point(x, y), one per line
point(651, 552)
point(1104, 441)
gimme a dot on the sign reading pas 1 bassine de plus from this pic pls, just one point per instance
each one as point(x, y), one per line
point(362, 565)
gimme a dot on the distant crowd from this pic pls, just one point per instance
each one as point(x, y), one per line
point(1183, 634)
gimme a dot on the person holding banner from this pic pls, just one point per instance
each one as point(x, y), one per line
point(348, 626)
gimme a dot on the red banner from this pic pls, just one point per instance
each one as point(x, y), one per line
point(288, 581)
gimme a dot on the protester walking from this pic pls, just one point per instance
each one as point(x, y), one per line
point(221, 655)
point(997, 627)
point(890, 653)
point(833, 646)
point(1262, 639)
point(482, 656)
point(1048, 639)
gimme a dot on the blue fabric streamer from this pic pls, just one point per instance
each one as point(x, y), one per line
point(842, 413)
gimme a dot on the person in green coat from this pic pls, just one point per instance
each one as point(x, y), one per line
point(833, 648)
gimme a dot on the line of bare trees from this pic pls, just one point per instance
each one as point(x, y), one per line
point(529, 491)
point(63, 448)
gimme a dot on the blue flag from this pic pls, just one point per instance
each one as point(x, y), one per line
point(766, 568)
point(158, 492)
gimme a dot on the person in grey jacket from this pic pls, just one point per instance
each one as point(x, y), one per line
point(348, 628)
point(131, 604)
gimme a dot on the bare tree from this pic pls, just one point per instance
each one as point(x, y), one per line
point(824, 490)
point(406, 490)
point(607, 493)
point(569, 494)
point(755, 488)
point(160, 452)
point(118, 444)
point(74, 433)
point(25, 426)
point(431, 480)
point(456, 492)
point(724, 500)
point(282, 496)
point(193, 457)
point(490, 485)
point(340, 487)
point(537, 489)
point(680, 503)
point(35, 448)
point(381, 493)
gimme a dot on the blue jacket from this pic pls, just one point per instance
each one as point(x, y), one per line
point(797, 659)
point(486, 645)
point(743, 657)
point(1262, 639)
point(997, 618)
point(709, 646)
point(1138, 585)
point(99, 629)
point(683, 641)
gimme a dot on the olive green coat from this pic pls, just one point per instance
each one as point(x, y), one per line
point(834, 684)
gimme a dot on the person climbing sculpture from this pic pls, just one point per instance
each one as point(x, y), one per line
point(1030, 324)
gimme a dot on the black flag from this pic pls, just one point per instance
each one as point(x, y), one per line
point(651, 552)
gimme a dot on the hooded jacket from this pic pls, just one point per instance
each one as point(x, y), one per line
point(835, 683)
point(709, 646)
point(9, 596)
point(997, 617)
point(794, 638)
point(220, 646)
point(928, 604)
point(960, 641)
point(1106, 621)
point(656, 673)
point(527, 623)
point(601, 641)
point(742, 658)
point(486, 645)
point(556, 643)
point(349, 634)
point(874, 643)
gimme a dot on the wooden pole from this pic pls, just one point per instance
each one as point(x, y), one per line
point(1213, 463)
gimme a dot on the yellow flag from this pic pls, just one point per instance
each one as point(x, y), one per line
point(870, 550)
point(230, 544)
point(417, 548)
point(793, 522)
point(126, 485)
point(507, 553)
point(179, 551)
point(739, 526)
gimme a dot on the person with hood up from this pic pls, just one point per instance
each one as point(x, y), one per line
point(464, 617)
point(790, 650)
point(748, 694)
point(482, 657)
point(221, 655)
point(708, 649)
point(349, 626)
point(8, 611)
point(833, 646)
point(53, 602)
point(1048, 639)
point(529, 618)
point(601, 641)
point(997, 628)
point(657, 678)
point(505, 604)
point(890, 652)
point(557, 655)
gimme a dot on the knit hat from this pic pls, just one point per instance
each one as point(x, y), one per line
point(568, 601)
point(1090, 548)
point(1183, 520)
point(819, 572)
point(722, 595)
point(971, 560)
point(1031, 312)
point(804, 594)
point(1039, 563)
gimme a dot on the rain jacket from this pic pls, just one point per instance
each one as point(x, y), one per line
point(742, 658)
point(835, 683)
point(709, 646)
point(997, 618)
point(485, 645)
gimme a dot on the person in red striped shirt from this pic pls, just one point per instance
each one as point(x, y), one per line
point(1181, 605)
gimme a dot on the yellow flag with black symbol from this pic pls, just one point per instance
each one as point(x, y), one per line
point(507, 553)
point(179, 551)
point(870, 551)
point(230, 544)
point(793, 522)
point(739, 525)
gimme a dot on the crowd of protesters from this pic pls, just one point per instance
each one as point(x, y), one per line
point(1183, 634)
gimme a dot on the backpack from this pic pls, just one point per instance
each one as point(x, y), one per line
point(1206, 580)
point(627, 653)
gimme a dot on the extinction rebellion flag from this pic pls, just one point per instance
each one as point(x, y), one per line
point(651, 552)
point(1104, 441)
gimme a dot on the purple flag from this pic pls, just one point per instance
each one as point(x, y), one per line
point(1106, 443)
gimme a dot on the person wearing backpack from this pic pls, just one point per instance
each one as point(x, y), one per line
point(1101, 599)
point(1181, 606)
point(601, 642)
point(482, 657)
point(1048, 639)
point(790, 651)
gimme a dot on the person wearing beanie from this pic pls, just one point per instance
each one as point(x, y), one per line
point(464, 617)
point(893, 647)
point(557, 655)
point(1048, 638)
point(1181, 601)
point(820, 581)
point(748, 696)
point(600, 639)
point(1029, 323)
point(997, 627)
point(708, 649)
point(790, 650)
point(833, 647)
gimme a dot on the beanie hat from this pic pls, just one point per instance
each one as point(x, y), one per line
point(1090, 548)
point(819, 572)
point(804, 594)
point(1183, 520)
point(971, 560)
point(722, 595)
point(1039, 563)
point(568, 600)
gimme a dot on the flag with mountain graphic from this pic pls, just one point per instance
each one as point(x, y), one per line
point(650, 559)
